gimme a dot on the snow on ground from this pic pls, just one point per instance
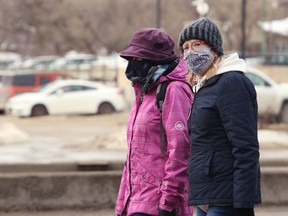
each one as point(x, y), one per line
point(116, 139)
point(9, 134)
point(17, 146)
point(85, 141)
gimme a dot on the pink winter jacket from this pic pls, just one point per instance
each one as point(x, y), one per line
point(149, 180)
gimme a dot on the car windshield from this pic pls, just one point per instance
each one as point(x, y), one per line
point(44, 88)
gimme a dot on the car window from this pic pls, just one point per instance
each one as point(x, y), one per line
point(73, 88)
point(257, 80)
point(44, 87)
point(23, 80)
point(44, 80)
point(79, 61)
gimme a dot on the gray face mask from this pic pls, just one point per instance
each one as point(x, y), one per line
point(198, 61)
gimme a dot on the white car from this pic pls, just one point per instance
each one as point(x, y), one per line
point(272, 97)
point(68, 97)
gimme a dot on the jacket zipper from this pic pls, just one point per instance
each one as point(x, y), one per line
point(141, 99)
point(130, 185)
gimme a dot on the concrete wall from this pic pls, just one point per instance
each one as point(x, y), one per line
point(61, 190)
point(98, 189)
point(274, 187)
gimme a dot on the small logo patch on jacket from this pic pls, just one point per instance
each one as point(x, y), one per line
point(179, 125)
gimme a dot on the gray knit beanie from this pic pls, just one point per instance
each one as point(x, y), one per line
point(203, 29)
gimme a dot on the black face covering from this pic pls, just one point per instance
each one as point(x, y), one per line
point(141, 67)
point(146, 72)
point(138, 70)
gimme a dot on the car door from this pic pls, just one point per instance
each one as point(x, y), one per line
point(265, 93)
point(55, 101)
point(73, 99)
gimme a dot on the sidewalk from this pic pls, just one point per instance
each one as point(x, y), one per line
point(105, 212)
point(259, 211)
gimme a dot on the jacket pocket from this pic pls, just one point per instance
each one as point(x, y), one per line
point(148, 175)
point(149, 184)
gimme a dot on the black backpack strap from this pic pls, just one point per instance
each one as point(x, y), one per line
point(160, 95)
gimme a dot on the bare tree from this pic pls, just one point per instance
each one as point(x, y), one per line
point(37, 27)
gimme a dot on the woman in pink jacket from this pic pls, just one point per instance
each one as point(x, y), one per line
point(154, 180)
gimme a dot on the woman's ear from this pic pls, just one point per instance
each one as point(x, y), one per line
point(215, 55)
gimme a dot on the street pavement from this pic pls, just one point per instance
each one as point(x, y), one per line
point(41, 151)
point(259, 211)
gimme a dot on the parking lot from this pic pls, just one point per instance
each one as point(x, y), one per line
point(65, 138)
point(61, 138)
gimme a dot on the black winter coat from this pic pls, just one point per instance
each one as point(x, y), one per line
point(224, 160)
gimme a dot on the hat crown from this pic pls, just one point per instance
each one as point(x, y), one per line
point(203, 29)
point(150, 43)
point(153, 39)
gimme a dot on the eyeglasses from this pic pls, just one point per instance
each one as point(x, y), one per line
point(193, 45)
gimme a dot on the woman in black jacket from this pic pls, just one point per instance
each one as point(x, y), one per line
point(224, 171)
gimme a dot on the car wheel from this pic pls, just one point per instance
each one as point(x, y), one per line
point(106, 108)
point(284, 113)
point(39, 110)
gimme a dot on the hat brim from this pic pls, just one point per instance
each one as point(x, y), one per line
point(140, 52)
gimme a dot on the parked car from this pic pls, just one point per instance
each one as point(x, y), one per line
point(6, 58)
point(74, 62)
point(14, 83)
point(68, 97)
point(43, 62)
point(272, 97)
point(39, 63)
